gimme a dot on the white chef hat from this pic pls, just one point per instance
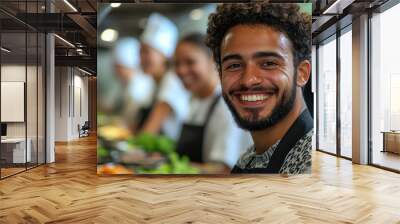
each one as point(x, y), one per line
point(161, 34)
point(127, 52)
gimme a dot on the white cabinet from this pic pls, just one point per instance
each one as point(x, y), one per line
point(18, 149)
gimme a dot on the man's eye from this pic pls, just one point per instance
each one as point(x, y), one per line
point(233, 66)
point(269, 64)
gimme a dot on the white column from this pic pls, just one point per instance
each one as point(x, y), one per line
point(360, 90)
point(50, 92)
point(50, 110)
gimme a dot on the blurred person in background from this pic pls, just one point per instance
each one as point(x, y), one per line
point(169, 107)
point(136, 88)
point(209, 133)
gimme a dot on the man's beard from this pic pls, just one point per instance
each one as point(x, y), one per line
point(255, 124)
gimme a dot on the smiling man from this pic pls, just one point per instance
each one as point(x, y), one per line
point(263, 53)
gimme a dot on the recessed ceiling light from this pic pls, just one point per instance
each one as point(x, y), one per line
point(70, 5)
point(84, 71)
point(64, 40)
point(115, 5)
point(337, 7)
point(109, 35)
point(196, 14)
point(5, 50)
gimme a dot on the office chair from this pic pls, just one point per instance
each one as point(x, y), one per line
point(84, 130)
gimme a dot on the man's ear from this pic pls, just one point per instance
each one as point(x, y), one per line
point(303, 73)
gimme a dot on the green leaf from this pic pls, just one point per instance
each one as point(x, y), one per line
point(102, 152)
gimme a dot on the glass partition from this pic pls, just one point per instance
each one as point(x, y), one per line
point(385, 89)
point(346, 93)
point(327, 96)
point(22, 89)
point(15, 151)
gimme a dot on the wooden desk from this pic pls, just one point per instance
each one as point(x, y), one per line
point(391, 141)
point(16, 148)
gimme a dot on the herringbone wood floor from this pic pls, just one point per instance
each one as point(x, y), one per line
point(70, 192)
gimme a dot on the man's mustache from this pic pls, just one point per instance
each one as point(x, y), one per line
point(253, 89)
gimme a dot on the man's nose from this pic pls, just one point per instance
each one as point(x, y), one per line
point(250, 76)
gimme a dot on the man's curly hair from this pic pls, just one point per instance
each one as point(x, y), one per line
point(286, 18)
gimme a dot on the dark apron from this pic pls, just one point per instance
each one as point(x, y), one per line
point(144, 112)
point(302, 125)
point(192, 137)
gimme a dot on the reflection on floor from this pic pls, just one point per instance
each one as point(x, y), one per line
point(69, 191)
point(9, 170)
point(386, 159)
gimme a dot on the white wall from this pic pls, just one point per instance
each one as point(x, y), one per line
point(33, 126)
point(11, 73)
point(61, 103)
point(70, 83)
point(16, 73)
point(81, 84)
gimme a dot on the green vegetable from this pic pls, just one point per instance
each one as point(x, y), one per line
point(153, 143)
point(176, 166)
point(102, 152)
point(164, 145)
point(163, 169)
point(181, 165)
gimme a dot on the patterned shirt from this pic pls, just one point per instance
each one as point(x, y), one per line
point(297, 161)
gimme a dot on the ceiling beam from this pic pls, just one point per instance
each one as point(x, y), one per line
point(77, 61)
point(337, 7)
point(84, 24)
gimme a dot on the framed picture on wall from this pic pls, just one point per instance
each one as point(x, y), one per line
point(175, 96)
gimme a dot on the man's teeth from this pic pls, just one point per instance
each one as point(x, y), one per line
point(253, 98)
